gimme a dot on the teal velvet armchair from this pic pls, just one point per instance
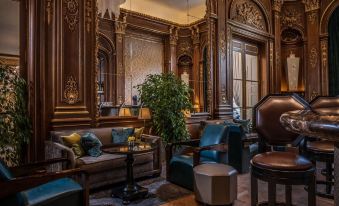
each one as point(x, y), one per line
point(210, 148)
point(32, 185)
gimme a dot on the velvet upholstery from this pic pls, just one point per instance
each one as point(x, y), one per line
point(181, 165)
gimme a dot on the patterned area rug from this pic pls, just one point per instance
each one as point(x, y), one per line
point(160, 192)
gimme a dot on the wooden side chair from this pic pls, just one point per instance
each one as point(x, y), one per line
point(279, 167)
point(32, 185)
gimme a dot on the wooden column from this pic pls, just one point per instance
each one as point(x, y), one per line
point(196, 64)
point(173, 49)
point(120, 27)
point(275, 86)
point(313, 71)
point(222, 100)
point(324, 65)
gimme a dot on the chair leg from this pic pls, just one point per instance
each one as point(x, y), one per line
point(254, 191)
point(288, 195)
point(312, 191)
point(328, 177)
point(271, 193)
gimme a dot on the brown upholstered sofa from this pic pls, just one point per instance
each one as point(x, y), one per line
point(107, 168)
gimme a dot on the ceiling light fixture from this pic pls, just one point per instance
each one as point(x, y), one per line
point(113, 7)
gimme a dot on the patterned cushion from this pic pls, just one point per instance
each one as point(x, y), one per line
point(121, 136)
point(78, 150)
point(138, 132)
point(91, 144)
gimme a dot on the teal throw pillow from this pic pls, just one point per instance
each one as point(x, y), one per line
point(244, 123)
point(121, 135)
point(91, 144)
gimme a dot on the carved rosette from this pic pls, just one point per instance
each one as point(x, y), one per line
point(249, 13)
point(222, 44)
point(311, 5)
point(313, 57)
point(71, 92)
point(72, 13)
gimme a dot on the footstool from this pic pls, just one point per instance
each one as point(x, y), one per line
point(215, 184)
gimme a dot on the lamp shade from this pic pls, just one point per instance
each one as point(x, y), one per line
point(144, 113)
point(125, 112)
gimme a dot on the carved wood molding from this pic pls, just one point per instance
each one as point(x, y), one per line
point(49, 10)
point(247, 12)
point(313, 57)
point(120, 26)
point(173, 35)
point(312, 17)
point(291, 17)
point(222, 44)
point(71, 13)
point(311, 5)
point(71, 92)
point(195, 35)
point(88, 15)
point(277, 4)
point(184, 48)
point(9, 60)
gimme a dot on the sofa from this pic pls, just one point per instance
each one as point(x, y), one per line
point(107, 168)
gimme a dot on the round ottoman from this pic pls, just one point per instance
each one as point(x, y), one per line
point(215, 184)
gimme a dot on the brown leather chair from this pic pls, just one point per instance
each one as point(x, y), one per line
point(321, 150)
point(279, 167)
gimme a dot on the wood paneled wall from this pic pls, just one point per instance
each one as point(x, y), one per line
point(58, 53)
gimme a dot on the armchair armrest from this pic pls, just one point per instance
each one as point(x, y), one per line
point(157, 157)
point(217, 147)
point(19, 184)
point(35, 167)
point(67, 150)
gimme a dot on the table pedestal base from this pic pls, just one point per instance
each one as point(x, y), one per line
point(128, 193)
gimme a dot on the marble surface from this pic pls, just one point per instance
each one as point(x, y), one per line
point(322, 123)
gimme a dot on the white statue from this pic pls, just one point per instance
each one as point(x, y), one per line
point(113, 6)
point(293, 72)
point(185, 77)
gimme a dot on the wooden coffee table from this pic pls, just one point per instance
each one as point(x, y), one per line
point(130, 191)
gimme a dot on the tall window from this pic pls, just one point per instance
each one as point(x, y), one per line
point(245, 79)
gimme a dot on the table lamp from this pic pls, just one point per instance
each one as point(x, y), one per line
point(124, 111)
point(144, 114)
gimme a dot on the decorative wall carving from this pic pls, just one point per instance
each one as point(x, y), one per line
point(291, 17)
point(88, 15)
point(184, 47)
point(138, 64)
point(277, 4)
point(291, 35)
point(71, 13)
point(222, 44)
point(313, 57)
point(324, 51)
point(195, 35)
point(311, 5)
point(312, 17)
point(49, 10)
point(71, 92)
point(247, 12)
point(173, 35)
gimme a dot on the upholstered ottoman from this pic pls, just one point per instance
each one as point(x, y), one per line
point(215, 184)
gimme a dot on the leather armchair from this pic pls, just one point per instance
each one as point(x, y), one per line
point(210, 148)
point(32, 185)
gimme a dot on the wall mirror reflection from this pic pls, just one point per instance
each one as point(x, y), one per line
point(141, 37)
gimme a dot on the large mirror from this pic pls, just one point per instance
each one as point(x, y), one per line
point(141, 37)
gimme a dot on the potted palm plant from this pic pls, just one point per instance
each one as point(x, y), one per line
point(167, 96)
point(15, 127)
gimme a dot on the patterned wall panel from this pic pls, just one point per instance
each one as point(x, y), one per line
point(143, 56)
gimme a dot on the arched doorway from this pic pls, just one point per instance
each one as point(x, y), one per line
point(333, 51)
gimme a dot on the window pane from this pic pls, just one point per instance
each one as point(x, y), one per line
point(251, 93)
point(251, 67)
point(237, 65)
point(237, 93)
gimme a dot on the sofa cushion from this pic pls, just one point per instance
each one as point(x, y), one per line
point(138, 132)
point(69, 140)
point(91, 144)
point(120, 135)
point(104, 134)
point(110, 161)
